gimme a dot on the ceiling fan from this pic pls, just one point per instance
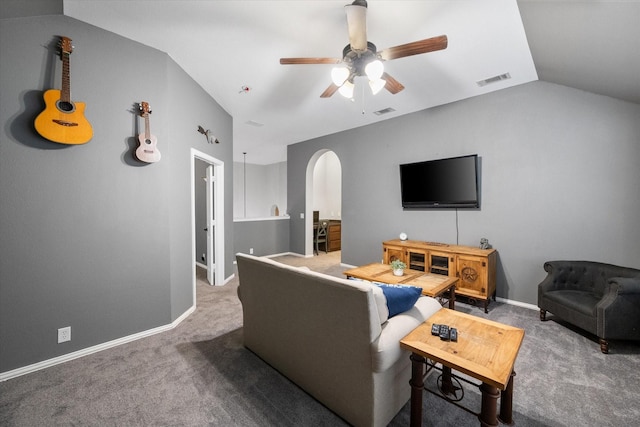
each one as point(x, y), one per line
point(361, 58)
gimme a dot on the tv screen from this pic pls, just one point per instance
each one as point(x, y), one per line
point(442, 183)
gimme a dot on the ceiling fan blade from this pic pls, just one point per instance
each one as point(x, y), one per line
point(392, 84)
point(357, 25)
point(415, 48)
point(328, 92)
point(294, 61)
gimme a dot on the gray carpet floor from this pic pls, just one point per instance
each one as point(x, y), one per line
point(200, 374)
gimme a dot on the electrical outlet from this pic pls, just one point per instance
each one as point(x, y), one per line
point(250, 251)
point(64, 334)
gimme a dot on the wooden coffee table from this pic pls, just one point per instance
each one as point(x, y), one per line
point(485, 350)
point(433, 285)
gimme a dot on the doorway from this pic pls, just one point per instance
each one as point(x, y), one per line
point(323, 191)
point(210, 207)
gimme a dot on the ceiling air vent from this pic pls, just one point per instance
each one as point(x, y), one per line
point(384, 111)
point(494, 79)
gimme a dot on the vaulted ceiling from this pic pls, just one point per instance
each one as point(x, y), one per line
point(232, 49)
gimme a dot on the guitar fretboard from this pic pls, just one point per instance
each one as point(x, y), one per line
point(65, 93)
point(147, 131)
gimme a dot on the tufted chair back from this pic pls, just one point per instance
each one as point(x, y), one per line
point(585, 275)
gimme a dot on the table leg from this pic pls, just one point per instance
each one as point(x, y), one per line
point(489, 407)
point(452, 297)
point(417, 385)
point(506, 402)
point(447, 387)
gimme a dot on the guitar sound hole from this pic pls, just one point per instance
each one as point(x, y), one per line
point(147, 141)
point(66, 107)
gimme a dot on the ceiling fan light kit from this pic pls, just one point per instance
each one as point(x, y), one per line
point(346, 89)
point(339, 75)
point(374, 69)
point(361, 58)
point(377, 85)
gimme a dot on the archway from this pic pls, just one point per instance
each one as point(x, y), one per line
point(333, 178)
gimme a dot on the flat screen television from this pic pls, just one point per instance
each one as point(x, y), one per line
point(441, 183)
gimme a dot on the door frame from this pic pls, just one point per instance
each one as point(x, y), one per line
point(218, 224)
point(211, 256)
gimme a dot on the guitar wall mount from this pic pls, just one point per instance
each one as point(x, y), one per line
point(207, 134)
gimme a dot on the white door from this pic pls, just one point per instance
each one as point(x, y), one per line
point(214, 222)
point(211, 223)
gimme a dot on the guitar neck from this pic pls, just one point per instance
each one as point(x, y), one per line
point(147, 131)
point(65, 93)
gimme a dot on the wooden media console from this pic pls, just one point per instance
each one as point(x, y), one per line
point(475, 267)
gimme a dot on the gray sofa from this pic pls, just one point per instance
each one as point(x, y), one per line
point(602, 299)
point(330, 336)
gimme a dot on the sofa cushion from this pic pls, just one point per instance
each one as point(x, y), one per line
point(380, 299)
point(386, 349)
point(399, 298)
point(579, 301)
point(392, 299)
point(381, 303)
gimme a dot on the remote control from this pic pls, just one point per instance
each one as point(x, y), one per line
point(435, 329)
point(444, 332)
point(453, 333)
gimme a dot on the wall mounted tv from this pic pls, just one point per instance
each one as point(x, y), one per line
point(441, 183)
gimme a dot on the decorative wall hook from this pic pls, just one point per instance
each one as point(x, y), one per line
point(207, 134)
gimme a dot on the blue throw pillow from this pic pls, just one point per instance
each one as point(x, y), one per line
point(400, 298)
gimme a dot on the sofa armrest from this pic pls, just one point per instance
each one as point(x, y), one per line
point(554, 269)
point(623, 285)
point(618, 312)
point(386, 350)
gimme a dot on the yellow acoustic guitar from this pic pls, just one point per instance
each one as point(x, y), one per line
point(63, 120)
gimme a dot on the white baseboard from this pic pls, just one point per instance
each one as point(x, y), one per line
point(227, 280)
point(90, 350)
point(283, 254)
point(518, 303)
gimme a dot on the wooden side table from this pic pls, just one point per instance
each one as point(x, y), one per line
point(485, 350)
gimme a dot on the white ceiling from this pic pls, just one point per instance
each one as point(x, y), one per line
point(227, 45)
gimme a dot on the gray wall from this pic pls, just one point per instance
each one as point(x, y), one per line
point(559, 180)
point(266, 237)
point(266, 187)
point(89, 237)
point(19, 8)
